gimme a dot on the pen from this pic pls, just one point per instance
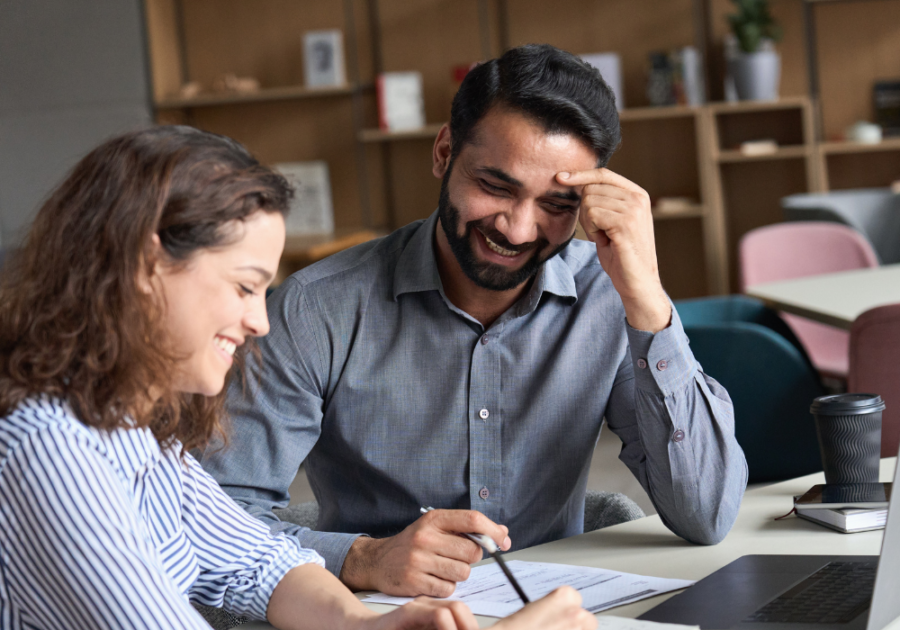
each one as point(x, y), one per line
point(486, 543)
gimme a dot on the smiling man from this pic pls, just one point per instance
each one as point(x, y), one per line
point(467, 361)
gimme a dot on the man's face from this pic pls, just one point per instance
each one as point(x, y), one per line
point(501, 208)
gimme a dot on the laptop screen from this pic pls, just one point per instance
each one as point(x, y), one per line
point(885, 602)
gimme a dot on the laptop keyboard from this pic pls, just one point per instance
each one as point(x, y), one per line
point(836, 593)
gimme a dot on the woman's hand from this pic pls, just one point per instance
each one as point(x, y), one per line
point(560, 610)
point(424, 613)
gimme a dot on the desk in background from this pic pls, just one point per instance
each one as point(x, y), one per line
point(836, 299)
point(646, 547)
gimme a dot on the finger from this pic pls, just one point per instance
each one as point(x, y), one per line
point(596, 176)
point(448, 569)
point(621, 206)
point(462, 617)
point(434, 587)
point(469, 522)
point(606, 191)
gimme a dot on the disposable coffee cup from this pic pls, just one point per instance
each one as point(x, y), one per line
point(849, 430)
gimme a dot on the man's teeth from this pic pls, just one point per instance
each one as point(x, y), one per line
point(500, 250)
point(226, 344)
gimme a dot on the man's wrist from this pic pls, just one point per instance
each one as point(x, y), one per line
point(356, 570)
point(650, 314)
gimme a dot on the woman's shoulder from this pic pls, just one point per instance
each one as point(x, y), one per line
point(43, 419)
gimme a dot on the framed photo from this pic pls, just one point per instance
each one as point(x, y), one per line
point(323, 58)
point(400, 103)
point(311, 208)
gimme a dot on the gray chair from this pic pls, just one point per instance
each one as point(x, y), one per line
point(601, 509)
point(873, 212)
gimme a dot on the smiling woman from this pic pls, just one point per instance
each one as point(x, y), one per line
point(121, 318)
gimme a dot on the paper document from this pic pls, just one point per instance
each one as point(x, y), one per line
point(487, 591)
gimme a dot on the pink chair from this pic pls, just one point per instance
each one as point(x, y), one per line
point(807, 248)
point(874, 348)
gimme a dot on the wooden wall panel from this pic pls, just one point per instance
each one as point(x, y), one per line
point(431, 36)
point(679, 252)
point(858, 43)
point(752, 193)
point(416, 189)
point(863, 170)
point(660, 156)
point(313, 129)
point(165, 47)
point(632, 28)
point(262, 38)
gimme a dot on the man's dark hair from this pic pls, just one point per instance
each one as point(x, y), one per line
point(558, 90)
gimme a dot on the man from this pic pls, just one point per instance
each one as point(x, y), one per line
point(466, 362)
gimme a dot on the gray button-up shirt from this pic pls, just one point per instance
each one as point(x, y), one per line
point(396, 399)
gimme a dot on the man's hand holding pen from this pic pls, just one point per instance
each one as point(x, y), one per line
point(427, 558)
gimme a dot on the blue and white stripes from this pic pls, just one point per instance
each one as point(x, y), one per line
point(104, 530)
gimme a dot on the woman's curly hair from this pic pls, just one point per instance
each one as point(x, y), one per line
point(76, 320)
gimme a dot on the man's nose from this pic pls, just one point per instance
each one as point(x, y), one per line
point(519, 223)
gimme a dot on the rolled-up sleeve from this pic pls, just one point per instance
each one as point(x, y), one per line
point(677, 428)
point(241, 562)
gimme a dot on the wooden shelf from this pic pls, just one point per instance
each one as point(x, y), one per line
point(831, 148)
point(650, 113)
point(782, 153)
point(380, 135)
point(289, 92)
point(690, 212)
point(430, 131)
point(740, 107)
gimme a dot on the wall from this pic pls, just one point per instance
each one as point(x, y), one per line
point(72, 73)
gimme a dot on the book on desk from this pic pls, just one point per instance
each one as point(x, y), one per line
point(846, 521)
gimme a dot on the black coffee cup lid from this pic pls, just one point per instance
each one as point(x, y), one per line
point(846, 404)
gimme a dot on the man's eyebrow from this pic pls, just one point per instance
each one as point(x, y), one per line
point(568, 195)
point(503, 177)
point(266, 275)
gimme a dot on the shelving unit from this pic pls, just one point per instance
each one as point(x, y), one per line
point(382, 180)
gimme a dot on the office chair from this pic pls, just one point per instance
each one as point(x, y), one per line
point(755, 356)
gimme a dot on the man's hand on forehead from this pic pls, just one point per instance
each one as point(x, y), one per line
point(615, 214)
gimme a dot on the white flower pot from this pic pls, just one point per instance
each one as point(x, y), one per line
point(756, 75)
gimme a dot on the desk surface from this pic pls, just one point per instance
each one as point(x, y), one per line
point(646, 547)
point(836, 299)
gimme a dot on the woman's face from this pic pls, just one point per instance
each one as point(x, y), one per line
point(219, 299)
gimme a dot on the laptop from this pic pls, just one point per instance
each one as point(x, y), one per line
point(788, 592)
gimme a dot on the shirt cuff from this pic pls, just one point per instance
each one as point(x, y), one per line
point(283, 557)
point(663, 362)
point(331, 546)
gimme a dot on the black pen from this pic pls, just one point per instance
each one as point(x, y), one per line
point(486, 543)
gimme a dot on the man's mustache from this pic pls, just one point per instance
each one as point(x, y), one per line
point(498, 238)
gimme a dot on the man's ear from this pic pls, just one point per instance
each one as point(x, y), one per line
point(440, 153)
point(149, 270)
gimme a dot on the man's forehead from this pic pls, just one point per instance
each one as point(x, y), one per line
point(504, 126)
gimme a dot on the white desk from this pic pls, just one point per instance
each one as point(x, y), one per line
point(646, 547)
point(836, 299)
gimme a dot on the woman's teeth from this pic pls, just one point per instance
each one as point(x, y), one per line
point(226, 344)
point(500, 250)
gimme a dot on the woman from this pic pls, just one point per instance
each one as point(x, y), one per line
point(121, 318)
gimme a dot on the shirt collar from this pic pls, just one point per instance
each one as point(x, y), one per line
point(417, 270)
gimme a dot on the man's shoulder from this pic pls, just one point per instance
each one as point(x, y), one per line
point(363, 263)
point(581, 257)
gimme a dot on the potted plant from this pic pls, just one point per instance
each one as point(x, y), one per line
point(756, 69)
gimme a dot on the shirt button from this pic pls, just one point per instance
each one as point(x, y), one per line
point(678, 436)
point(483, 414)
point(642, 364)
point(484, 340)
point(662, 365)
point(484, 493)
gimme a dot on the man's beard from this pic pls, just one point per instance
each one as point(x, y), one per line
point(485, 274)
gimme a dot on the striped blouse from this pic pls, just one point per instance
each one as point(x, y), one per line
point(105, 530)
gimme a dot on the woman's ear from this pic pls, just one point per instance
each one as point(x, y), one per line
point(150, 266)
